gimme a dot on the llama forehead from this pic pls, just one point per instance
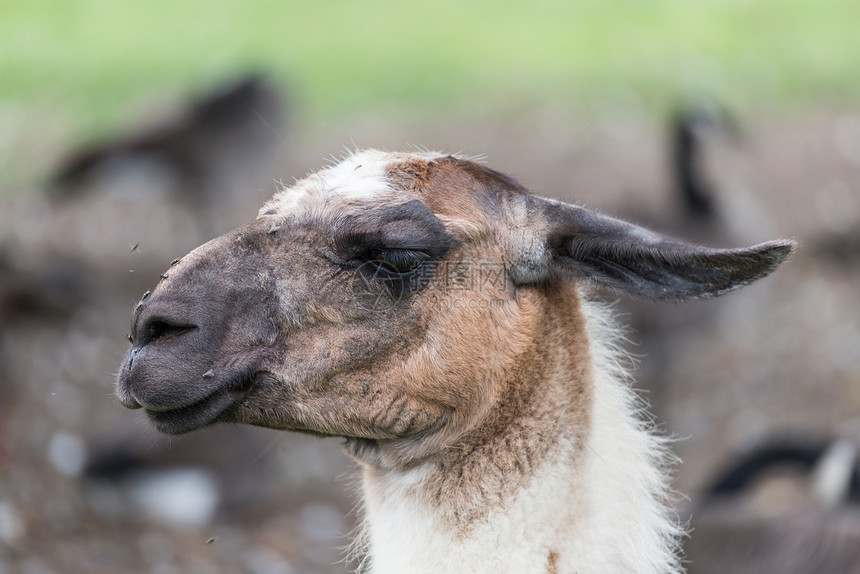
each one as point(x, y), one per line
point(468, 197)
point(360, 180)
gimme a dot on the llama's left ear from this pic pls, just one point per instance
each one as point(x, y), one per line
point(636, 261)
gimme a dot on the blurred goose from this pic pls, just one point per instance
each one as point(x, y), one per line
point(786, 508)
point(220, 141)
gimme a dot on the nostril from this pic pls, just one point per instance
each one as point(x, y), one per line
point(159, 329)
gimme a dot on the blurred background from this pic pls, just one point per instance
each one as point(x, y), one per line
point(132, 132)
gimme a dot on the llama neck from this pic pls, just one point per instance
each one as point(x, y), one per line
point(572, 485)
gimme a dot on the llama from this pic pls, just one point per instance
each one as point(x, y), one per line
point(436, 315)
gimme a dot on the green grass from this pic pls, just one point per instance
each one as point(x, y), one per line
point(72, 69)
point(90, 58)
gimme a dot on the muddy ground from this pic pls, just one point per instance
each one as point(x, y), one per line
point(79, 474)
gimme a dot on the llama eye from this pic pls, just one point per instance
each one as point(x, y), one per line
point(398, 261)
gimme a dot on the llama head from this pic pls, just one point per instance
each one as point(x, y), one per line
point(386, 299)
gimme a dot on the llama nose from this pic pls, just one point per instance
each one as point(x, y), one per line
point(160, 328)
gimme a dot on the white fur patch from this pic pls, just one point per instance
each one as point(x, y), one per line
point(359, 178)
point(632, 527)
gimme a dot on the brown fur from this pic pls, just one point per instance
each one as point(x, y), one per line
point(510, 361)
point(457, 189)
point(544, 384)
point(552, 562)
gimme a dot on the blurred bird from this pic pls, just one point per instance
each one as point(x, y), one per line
point(691, 126)
point(808, 457)
point(48, 293)
point(179, 481)
point(221, 140)
point(788, 507)
point(52, 290)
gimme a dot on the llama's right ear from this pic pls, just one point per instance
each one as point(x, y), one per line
point(638, 262)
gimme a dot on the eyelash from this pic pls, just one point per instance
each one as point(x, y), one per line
point(398, 261)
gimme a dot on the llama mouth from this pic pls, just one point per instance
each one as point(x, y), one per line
point(204, 412)
point(207, 411)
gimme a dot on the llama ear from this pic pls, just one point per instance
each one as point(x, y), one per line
point(638, 262)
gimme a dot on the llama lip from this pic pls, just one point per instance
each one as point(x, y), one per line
point(184, 419)
point(208, 410)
